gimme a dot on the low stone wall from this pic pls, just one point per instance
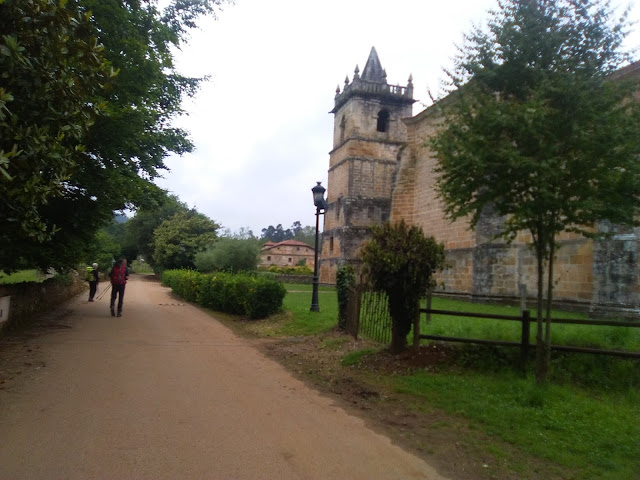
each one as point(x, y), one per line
point(28, 299)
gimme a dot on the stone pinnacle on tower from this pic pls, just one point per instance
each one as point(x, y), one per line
point(373, 71)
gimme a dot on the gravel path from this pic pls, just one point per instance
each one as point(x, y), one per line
point(167, 392)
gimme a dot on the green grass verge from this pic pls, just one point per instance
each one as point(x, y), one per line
point(585, 421)
point(615, 338)
point(304, 321)
point(593, 435)
point(22, 276)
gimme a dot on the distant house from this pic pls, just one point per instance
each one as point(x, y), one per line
point(286, 254)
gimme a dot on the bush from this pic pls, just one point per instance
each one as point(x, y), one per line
point(345, 280)
point(399, 261)
point(266, 298)
point(299, 270)
point(238, 294)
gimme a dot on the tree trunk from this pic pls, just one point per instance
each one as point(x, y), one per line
point(541, 367)
point(398, 338)
point(416, 329)
point(547, 333)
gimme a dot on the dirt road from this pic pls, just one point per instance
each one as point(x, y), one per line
point(167, 392)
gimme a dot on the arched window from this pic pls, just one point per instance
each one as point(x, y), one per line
point(383, 121)
point(343, 127)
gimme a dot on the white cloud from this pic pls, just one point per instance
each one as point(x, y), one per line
point(261, 124)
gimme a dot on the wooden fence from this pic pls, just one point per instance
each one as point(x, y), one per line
point(368, 314)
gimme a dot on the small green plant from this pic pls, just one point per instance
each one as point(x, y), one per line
point(345, 281)
point(354, 358)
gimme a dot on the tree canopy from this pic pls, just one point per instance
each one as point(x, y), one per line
point(296, 231)
point(53, 71)
point(178, 239)
point(87, 94)
point(536, 129)
point(229, 255)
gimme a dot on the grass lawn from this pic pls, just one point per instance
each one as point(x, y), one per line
point(22, 276)
point(298, 319)
point(584, 424)
point(613, 338)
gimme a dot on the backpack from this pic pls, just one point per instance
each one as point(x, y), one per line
point(88, 275)
point(118, 275)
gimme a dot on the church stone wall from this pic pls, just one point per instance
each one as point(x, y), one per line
point(479, 265)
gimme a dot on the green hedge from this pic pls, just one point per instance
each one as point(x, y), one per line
point(298, 270)
point(239, 294)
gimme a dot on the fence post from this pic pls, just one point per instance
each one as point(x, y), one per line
point(353, 311)
point(416, 329)
point(429, 296)
point(524, 342)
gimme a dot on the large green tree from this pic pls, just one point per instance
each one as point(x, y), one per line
point(139, 230)
point(52, 74)
point(229, 255)
point(536, 130)
point(178, 239)
point(138, 90)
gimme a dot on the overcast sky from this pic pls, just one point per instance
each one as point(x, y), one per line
point(261, 125)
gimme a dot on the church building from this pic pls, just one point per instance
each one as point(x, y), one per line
point(381, 168)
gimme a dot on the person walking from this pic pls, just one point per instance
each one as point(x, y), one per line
point(93, 283)
point(119, 275)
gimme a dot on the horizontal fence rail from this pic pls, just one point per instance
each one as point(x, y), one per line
point(524, 344)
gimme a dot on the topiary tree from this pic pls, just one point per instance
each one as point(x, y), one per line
point(345, 280)
point(399, 261)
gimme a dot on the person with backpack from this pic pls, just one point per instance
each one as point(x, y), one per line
point(92, 278)
point(119, 275)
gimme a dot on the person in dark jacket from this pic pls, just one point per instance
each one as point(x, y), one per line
point(93, 283)
point(119, 275)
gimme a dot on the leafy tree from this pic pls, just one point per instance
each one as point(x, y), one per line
point(276, 234)
point(103, 250)
point(399, 261)
point(178, 239)
point(306, 234)
point(52, 73)
point(75, 176)
point(244, 233)
point(139, 230)
point(229, 254)
point(539, 132)
point(296, 231)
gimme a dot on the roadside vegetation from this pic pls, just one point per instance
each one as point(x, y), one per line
point(582, 424)
point(21, 276)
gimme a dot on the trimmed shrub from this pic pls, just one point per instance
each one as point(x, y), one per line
point(300, 270)
point(266, 297)
point(238, 294)
point(345, 280)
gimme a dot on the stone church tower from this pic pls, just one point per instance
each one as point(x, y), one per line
point(368, 136)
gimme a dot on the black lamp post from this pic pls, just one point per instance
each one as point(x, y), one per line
point(321, 204)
